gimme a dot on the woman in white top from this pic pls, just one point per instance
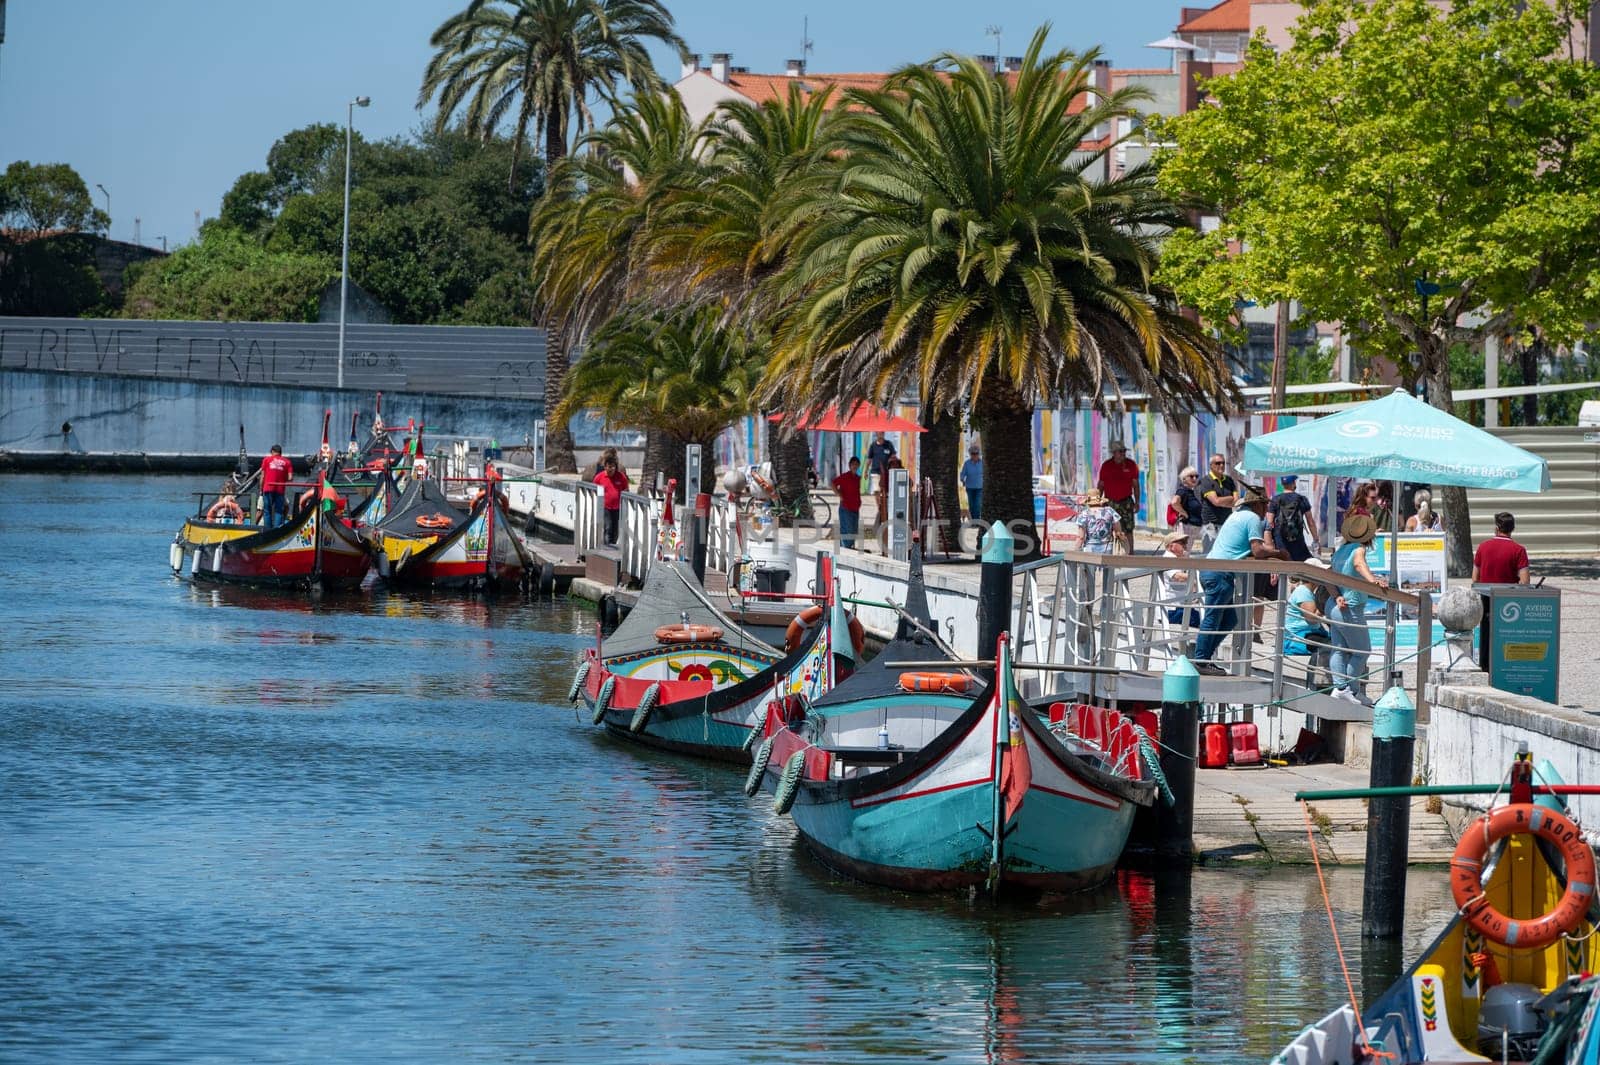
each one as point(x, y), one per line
point(1425, 519)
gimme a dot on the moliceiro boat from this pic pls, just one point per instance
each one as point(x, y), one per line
point(957, 791)
point(1509, 979)
point(425, 541)
point(314, 548)
point(680, 675)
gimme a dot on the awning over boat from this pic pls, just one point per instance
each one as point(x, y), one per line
point(670, 591)
point(421, 499)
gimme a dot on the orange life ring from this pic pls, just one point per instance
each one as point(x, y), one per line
point(434, 521)
point(688, 634)
point(954, 683)
point(802, 622)
point(1466, 870)
point(799, 625)
point(225, 509)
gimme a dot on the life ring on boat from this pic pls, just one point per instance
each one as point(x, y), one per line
point(802, 623)
point(434, 521)
point(789, 783)
point(688, 634)
point(1466, 869)
point(225, 509)
point(758, 767)
point(954, 683)
point(499, 497)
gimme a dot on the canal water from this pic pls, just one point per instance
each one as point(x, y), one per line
point(238, 826)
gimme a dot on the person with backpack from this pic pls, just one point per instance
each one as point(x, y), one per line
point(1289, 518)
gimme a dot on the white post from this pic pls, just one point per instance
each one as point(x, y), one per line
point(344, 248)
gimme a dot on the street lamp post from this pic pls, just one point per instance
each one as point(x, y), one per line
point(107, 195)
point(344, 254)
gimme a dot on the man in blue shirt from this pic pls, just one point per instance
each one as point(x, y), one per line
point(972, 481)
point(1243, 535)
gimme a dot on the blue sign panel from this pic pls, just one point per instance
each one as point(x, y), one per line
point(1525, 641)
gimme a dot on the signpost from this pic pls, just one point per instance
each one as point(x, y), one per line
point(1522, 630)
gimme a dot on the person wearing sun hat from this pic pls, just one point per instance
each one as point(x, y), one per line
point(1173, 586)
point(1102, 530)
point(1243, 535)
point(1347, 620)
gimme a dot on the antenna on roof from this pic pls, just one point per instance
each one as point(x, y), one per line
point(806, 43)
point(992, 30)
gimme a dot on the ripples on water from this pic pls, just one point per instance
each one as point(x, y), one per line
point(237, 826)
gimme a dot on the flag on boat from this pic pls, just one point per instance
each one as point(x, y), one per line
point(1016, 770)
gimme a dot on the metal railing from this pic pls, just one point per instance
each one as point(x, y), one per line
point(585, 517)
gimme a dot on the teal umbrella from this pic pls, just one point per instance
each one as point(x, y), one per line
point(1398, 438)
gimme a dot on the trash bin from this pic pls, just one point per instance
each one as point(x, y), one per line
point(772, 579)
point(1520, 639)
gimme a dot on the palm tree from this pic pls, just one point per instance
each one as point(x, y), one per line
point(685, 371)
point(536, 62)
point(715, 241)
point(963, 250)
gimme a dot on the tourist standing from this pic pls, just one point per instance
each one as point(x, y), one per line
point(879, 452)
point(1174, 586)
point(613, 481)
point(1289, 518)
point(275, 473)
point(1183, 509)
point(1347, 616)
point(848, 487)
point(1425, 518)
point(1243, 535)
point(1500, 559)
point(1119, 480)
point(972, 481)
point(1218, 496)
point(1100, 523)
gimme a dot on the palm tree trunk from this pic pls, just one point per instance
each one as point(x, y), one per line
point(559, 455)
point(1006, 420)
point(789, 464)
point(657, 450)
point(938, 460)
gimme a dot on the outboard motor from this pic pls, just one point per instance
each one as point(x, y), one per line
point(1512, 1018)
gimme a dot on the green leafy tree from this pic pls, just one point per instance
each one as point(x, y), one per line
point(683, 371)
point(41, 198)
point(227, 276)
point(1403, 166)
point(536, 63)
point(965, 252)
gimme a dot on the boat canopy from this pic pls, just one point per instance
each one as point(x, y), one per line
point(670, 591)
point(877, 679)
point(421, 499)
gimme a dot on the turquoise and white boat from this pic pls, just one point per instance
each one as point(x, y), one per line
point(932, 789)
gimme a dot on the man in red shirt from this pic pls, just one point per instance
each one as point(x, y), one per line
point(848, 486)
point(613, 481)
point(275, 473)
point(1500, 559)
point(1119, 480)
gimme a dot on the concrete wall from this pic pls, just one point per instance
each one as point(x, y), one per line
point(123, 414)
point(458, 360)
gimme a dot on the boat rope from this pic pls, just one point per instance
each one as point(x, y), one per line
point(1152, 762)
point(1333, 926)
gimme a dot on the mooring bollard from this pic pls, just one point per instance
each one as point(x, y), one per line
point(1383, 895)
point(1180, 730)
point(994, 590)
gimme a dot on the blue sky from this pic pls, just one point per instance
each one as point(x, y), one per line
point(166, 102)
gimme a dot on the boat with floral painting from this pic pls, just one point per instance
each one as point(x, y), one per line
point(681, 675)
point(317, 547)
point(426, 541)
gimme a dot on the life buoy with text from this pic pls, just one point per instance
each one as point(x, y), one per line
point(1466, 872)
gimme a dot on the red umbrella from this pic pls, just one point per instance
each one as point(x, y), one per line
point(862, 419)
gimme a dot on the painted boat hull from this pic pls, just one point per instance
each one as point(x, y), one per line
point(701, 717)
point(922, 819)
point(310, 550)
point(482, 553)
